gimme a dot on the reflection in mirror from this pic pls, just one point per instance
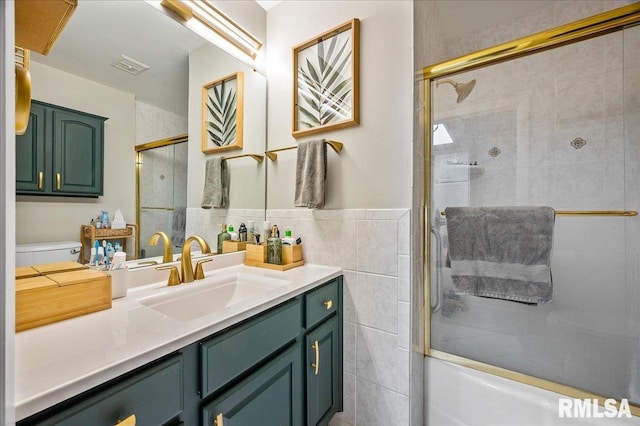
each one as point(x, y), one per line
point(161, 195)
point(106, 42)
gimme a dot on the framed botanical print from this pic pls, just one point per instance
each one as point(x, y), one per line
point(326, 92)
point(222, 113)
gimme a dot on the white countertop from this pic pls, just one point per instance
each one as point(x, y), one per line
point(57, 361)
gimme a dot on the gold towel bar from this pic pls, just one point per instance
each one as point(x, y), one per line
point(337, 147)
point(156, 208)
point(588, 213)
point(258, 158)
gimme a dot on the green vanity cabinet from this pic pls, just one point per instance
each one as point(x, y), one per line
point(280, 367)
point(154, 394)
point(270, 396)
point(323, 345)
point(324, 372)
point(61, 153)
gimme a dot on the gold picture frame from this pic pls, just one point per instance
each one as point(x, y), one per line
point(326, 83)
point(222, 113)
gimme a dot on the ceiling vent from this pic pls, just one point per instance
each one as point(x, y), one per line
point(130, 65)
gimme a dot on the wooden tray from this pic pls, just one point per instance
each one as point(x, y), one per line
point(274, 267)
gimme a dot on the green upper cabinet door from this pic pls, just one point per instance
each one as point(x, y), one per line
point(77, 152)
point(30, 153)
point(62, 153)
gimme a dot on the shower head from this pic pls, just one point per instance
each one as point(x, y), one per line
point(462, 89)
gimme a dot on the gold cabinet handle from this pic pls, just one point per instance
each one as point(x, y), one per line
point(129, 421)
point(219, 420)
point(316, 365)
point(40, 180)
point(58, 181)
point(328, 304)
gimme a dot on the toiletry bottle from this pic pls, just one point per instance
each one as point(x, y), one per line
point(288, 240)
point(96, 259)
point(220, 233)
point(234, 234)
point(242, 233)
point(100, 256)
point(266, 230)
point(251, 229)
point(274, 247)
point(92, 259)
point(105, 219)
point(224, 237)
point(108, 254)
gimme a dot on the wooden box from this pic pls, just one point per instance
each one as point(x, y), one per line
point(56, 267)
point(291, 254)
point(257, 256)
point(256, 253)
point(43, 300)
point(233, 245)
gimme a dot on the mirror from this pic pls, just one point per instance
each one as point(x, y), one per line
point(105, 42)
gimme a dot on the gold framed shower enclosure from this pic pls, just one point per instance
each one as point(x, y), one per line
point(597, 25)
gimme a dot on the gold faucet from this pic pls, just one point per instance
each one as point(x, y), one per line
point(167, 255)
point(186, 268)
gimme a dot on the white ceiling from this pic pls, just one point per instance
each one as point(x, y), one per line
point(100, 31)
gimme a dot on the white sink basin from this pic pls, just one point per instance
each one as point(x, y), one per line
point(189, 301)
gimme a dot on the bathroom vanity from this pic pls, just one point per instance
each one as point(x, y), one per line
point(267, 350)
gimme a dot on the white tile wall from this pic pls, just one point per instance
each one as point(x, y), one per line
point(373, 247)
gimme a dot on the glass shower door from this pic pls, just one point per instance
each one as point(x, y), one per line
point(162, 192)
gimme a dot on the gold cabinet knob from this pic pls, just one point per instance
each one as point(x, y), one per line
point(328, 304)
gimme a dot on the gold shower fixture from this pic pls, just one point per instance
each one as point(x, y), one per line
point(462, 89)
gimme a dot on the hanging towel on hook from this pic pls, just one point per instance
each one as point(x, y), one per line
point(502, 252)
point(216, 184)
point(311, 173)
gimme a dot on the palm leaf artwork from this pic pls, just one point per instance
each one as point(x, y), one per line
point(324, 88)
point(222, 114)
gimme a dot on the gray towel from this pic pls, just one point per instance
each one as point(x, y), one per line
point(178, 226)
point(311, 173)
point(216, 184)
point(502, 252)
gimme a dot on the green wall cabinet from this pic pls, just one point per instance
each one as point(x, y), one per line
point(281, 367)
point(61, 153)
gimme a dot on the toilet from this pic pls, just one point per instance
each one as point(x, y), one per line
point(35, 253)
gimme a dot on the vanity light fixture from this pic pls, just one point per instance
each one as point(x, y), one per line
point(203, 18)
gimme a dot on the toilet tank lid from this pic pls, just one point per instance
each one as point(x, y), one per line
point(55, 245)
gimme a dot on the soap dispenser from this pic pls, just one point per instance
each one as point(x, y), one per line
point(274, 247)
point(223, 236)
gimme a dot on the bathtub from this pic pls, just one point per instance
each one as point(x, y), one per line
point(457, 396)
